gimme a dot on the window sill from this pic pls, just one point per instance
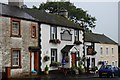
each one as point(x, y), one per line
point(19, 36)
point(55, 41)
point(15, 67)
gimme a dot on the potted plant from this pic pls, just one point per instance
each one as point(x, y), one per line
point(81, 69)
point(94, 68)
point(74, 70)
point(46, 69)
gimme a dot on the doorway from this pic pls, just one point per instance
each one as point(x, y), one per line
point(74, 59)
point(34, 61)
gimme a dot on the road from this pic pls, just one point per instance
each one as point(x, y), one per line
point(68, 78)
point(65, 77)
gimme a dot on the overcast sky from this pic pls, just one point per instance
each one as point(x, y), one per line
point(105, 11)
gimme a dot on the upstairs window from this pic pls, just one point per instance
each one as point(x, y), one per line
point(15, 57)
point(101, 50)
point(76, 35)
point(107, 51)
point(15, 28)
point(112, 51)
point(53, 33)
point(33, 31)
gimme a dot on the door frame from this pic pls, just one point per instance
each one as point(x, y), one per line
point(75, 59)
point(37, 60)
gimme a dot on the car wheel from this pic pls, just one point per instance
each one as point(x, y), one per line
point(113, 75)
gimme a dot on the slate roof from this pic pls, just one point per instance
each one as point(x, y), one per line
point(52, 19)
point(36, 15)
point(98, 38)
point(16, 12)
point(67, 48)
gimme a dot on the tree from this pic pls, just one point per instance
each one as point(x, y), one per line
point(78, 15)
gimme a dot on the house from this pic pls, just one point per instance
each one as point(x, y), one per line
point(31, 39)
point(18, 41)
point(119, 56)
point(59, 39)
point(100, 48)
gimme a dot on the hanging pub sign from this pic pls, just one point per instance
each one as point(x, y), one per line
point(90, 50)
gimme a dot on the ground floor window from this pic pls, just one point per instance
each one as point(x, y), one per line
point(113, 64)
point(53, 55)
point(15, 57)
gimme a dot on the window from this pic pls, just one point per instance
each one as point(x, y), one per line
point(53, 55)
point(113, 64)
point(15, 28)
point(76, 35)
point(112, 51)
point(66, 36)
point(15, 57)
point(101, 50)
point(116, 64)
point(107, 51)
point(33, 31)
point(53, 33)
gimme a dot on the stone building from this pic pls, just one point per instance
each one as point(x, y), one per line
point(18, 40)
point(28, 35)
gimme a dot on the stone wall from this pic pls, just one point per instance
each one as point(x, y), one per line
point(22, 42)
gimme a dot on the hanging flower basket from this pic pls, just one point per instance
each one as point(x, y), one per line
point(55, 64)
point(46, 58)
point(77, 42)
point(55, 41)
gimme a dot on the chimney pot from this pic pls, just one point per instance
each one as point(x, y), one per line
point(63, 13)
point(18, 3)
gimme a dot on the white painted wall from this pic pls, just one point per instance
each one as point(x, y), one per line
point(46, 46)
point(104, 57)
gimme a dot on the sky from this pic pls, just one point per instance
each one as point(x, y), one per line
point(105, 11)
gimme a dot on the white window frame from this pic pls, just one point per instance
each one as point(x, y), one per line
point(76, 35)
point(54, 51)
point(53, 33)
point(112, 51)
point(101, 51)
point(106, 51)
point(16, 57)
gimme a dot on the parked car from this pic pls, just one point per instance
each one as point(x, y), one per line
point(117, 71)
point(109, 71)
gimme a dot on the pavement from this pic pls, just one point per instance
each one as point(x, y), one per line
point(55, 77)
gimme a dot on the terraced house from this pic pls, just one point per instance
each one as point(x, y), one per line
point(31, 39)
point(100, 48)
point(19, 39)
point(60, 39)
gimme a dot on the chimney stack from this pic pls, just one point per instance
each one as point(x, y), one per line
point(63, 13)
point(18, 3)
